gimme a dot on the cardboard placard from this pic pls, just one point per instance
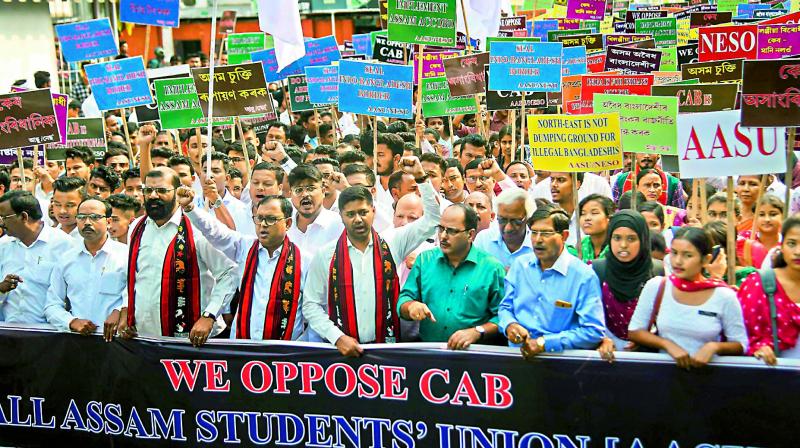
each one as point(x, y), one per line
point(119, 83)
point(465, 75)
point(778, 41)
point(179, 105)
point(238, 90)
point(27, 118)
point(648, 124)
point(530, 67)
point(150, 12)
point(719, 43)
point(632, 60)
point(89, 132)
point(376, 89)
point(714, 71)
point(620, 84)
point(511, 99)
point(431, 22)
point(150, 112)
point(240, 45)
point(569, 143)
point(771, 93)
point(323, 84)
point(82, 41)
point(438, 102)
point(389, 51)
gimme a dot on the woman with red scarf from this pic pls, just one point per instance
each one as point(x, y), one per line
point(686, 314)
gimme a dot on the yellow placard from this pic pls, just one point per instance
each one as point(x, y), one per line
point(575, 143)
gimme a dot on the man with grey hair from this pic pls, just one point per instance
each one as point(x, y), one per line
point(510, 239)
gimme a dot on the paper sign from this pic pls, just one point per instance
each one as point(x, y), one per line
point(648, 124)
point(465, 74)
point(700, 97)
point(89, 132)
point(718, 43)
point(432, 65)
point(570, 143)
point(592, 42)
point(698, 19)
point(664, 30)
point(179, 105)
point(573, 61)
point(437, 101)
point(93, 39)
point(620, 84)
point(150, 111)
point(150, 12)
point(511, 99)
point(375, 89)
point(240, 46)
point(771, 93)
point(362, 44)
point(322, 51)
point(389, 51)
point(714, 71)
point(512, 27)
point(632, 60)
point(586, 9)
point(323, 84)
point(541, 27)
point(530, 67)
point(227, 24)
point(431, 22)
point(9, 156)
point(778, 41)
point(238, 90)
point(619, 39)
point(27, 118)
point(60, 106)
point(687, 54)
point(716, 144)
point(119, 83)
point(298, 94)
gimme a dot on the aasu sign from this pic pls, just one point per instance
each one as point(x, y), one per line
point(718, 43)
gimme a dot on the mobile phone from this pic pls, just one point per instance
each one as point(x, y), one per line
point(715, 252)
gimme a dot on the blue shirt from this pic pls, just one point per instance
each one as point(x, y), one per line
point(491, 241)
point(563, 304)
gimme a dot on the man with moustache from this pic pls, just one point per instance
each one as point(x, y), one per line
point(27, 258)
point(347, 312)
point(457, 282)
point(272, 280)
point(510, 238)
point(87, 285)
point(313, 226)
point(177, 282)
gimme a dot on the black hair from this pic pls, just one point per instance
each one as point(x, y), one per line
point(605, 203)
point(125, 202)
point(68, 184)
point(304, 172)
point(354, 156)
point(324, 150)
point(305, 116)
point(324, 128)
point(81, 152)
point(356, 168)
point(788, 224)
point(159, 174)
point(435, 158)
point(268, 166)
point(470, 215)
point(454, 163)
point(5, 180)
point(114, 152)
point(717, 231)
point(105, 203)
point(132, 173)
point(117, 146)
point(162, 153)
point(297, 134)
point(407, 137)
point(286, 206)
point(352, 194)
point(475, 140)
point(657, 242)
point(652, 207)
point(350, 138)
point(108, 176)
point(394, 142)
point(432, 132)
point(554, 212)
point(723, 198)
point(396, 179)
point(226, 164)
point(474, 164)
point(40, 79)
point(326, 161)
point(771, 199)
point(397, 127)
point(624, 201)
point(180, 160)
point(645, 172)
point(235, 173)
point(237, 147)
point(697, 237)
point(23, 201)
point(296, 154)
point(279, 124)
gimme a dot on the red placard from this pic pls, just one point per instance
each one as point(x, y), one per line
point(619, 84)
point(717, 43)
point(596, 62)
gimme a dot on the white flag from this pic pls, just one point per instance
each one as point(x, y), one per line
point(281, 19)
point(483, 17)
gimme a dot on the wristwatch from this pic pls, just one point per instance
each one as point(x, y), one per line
point(481, 331)
point(209, 315)
point(540, 342)
point(216, 204)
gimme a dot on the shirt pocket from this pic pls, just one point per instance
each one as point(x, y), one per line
point(558, 317)
point(112, 284)
point(40, 272)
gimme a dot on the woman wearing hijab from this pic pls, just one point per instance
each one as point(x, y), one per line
point(623, 271)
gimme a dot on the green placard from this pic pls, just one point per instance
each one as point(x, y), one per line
point(179, 106)
point(669, 59)
point(685, 82)
point(663, 29)
point(430, 22)
point(728, 5)
point(298, 94)
point(593, 25)
point(552, 35)
point(489, 40)
point(649, 124)
point(89, 132)
point(240, 46)
point(437, 102)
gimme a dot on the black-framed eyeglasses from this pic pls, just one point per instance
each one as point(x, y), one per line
point(90, 216)
point(449, 230)
point(159, 190)
point(268, 221)
point(514, 222)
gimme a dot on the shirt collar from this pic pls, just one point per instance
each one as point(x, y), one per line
point(499, 235)
point(174, 219)
point(472, 256)
point(103, 248)
point(561, 265)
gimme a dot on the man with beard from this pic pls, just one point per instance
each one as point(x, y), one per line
point(87, 285)
point(672, 195)
point(313, 226)
point(68, 193)
point(388, 154)
point(27, 257)
point(272, 265)
point(552, 299)
point(473, 286)
point(348, 313)
point(509, 239)
point(176, 280)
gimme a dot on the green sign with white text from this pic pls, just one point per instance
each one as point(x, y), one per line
point(424, 22)
point(437, 102)
point(179, 105)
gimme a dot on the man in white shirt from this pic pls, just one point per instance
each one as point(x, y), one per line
point(592, 184)
point(166, 251)
point(27, 257)
point(364, 312)
point(239, 212)
point(68, 193)
point(510, 238)
point(313, 226)
point(357, 174)
point(388, 153)
point(87, 286)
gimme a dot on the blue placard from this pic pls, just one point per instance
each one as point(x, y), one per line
point(120, 83)
point(573, 61)
point(150, 12)
point(82, 41)
point(745, 10)
point(362, 44)
point(529, 27)
point(323, 84)
point(541, 27)
point(322, 51)
point(377, 89)
point(525, 66)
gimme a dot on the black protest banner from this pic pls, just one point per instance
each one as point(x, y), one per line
point(632, 16)
point(89, 132)
point(687, 54)
point(700, 97)
point(164, 393)
point(465, 74)
point(714, 71)
point(698, 19)
point(512, 27)
point(238, 90)
point(632, 60)
point(771, 93)
point(389, 51)
point(27, 118)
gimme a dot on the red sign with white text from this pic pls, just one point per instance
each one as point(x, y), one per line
point(619, 84)
point(718, 43)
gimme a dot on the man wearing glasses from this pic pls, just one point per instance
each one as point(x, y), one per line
point(483, 174)
point(87, 286)
point(510, 238)
point(177, 282)
point(28, 258)
point(552, 299)
point(455, 289)
point(273, 268)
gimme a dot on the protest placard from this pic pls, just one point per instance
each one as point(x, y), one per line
point(596, 62)
point(259, 123)
point(240, 46)
point(60, 104)
point(238, 90)
point(687, 54)
point(714, 71)
point(227, 23)
point(586, 9)
point(298, 94)
point(389, 51)
point(769, 13)
point(89, 132)
point(362, 44)
point(529, 67)
point(323, 84)
point(771, 93)
point(322, 51)
point(778, 41)
point(647, 123)
point(619, 39)
point(150, 111)
point(179, 105)
point(747, 9)
point(663, 29)
point(631, 60)
point(432, 65)
point(553, 36)
point(669, 60)
point(699, 19)
point(632, 16)
point(569, 24)
point(375, 89)
point(119, 83)
point(465, 74)
point(511, 99)
point(700, 97)
point(716, 144)
point(592, 42)
point(431, 22)
point(719, 43)
point(8, 156)
point(542, 26)
point(93, 39)
point(27, 118)
point(573, 61)
point(513, 26)
point(620, 84)
point(438, 102)
point(570, 143)
point(150, 12)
